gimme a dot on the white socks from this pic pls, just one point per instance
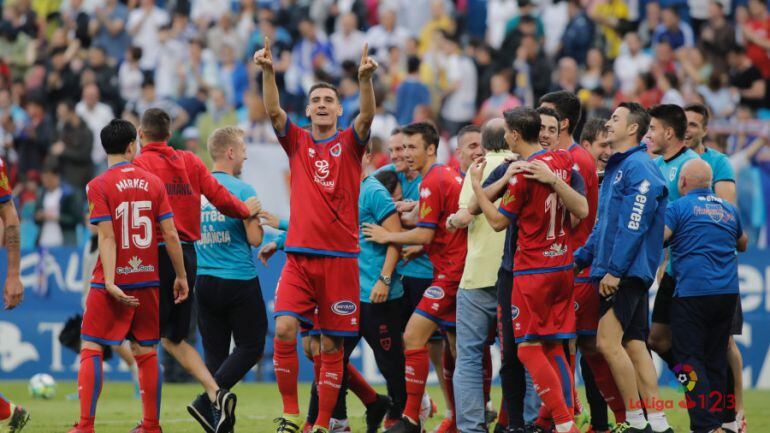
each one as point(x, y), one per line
point(564, 428)
point(635, 419)
point(658, 421)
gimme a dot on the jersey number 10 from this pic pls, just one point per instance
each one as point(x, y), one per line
point(134, 219)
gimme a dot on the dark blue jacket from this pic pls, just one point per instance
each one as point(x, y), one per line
point(627, 240)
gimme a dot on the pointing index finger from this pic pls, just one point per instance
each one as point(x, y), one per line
point(365, 52)
point(267, 45)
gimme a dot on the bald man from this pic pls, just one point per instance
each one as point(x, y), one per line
point(703, 232)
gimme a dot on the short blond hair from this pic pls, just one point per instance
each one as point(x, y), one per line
point(221, 139)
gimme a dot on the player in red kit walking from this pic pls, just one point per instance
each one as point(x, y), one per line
point(11, 415)
point(185, 179)
point(321, 268)
point(129, 206)
point(439, 198)
point(542, 301)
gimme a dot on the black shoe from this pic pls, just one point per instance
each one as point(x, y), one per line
point(19, 419)
point(404, 426)
point(668, 430)
point(201, 410)
point(375, 412)
point(225, 403)
point(626, 428)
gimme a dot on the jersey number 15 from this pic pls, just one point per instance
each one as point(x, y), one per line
point(131, 218)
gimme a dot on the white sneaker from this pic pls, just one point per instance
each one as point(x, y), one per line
point(339, 426)
point(427, 408)
point(740, 418)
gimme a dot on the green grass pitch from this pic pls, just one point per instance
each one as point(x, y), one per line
point(258, 404)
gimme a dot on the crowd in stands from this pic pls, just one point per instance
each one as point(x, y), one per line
point(69, 66)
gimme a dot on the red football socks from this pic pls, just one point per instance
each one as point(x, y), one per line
point(329, 384)
point(286, 367)
point(417, 367)
point(90, 379)
point(150, 387)
point(360, 386)
point(5, 408)
point(449, 372)
point(486, 363)
point(606, 384)
point(547, 383)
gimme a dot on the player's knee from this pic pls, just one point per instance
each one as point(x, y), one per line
point(607, 346)
point(285, 330)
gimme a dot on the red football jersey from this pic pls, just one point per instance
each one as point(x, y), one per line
point(185, 178)
point(541, 217)
point(5, 184)
point(439, 198)
point(586, 166)
point(325, 182)
point(135, 201)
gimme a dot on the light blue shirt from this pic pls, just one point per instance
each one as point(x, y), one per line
point(421, 266)
point(375, 205)
point(672, 168)
point(224, 250)
point(720, 166)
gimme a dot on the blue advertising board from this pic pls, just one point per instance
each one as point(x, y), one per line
point(29, 334)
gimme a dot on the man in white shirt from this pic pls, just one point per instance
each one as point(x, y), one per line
point(144, 23)
point(348, 41)
point(460, 94)
point(96, 115)
point(632, 62)
point(386, 34)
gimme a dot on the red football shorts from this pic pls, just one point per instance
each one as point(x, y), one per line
point(108, 322)
point(586, 307)
point(542, 306)
point(329, 283)
point(439, 303)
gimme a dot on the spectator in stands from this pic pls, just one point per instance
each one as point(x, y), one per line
point(233, 76)
point(411, 92)
point(313, 51)
point(219, 114)
point(746, 79)
point(533, 72)
point(578, 37)
point(108, 29)
point(171, 54)
point(672, 29)
point(668, 83)
point(96, 116)
point(756, 33)
point(105, 77)
point(144, 23)
point(717, 95)
point(224, 34)
point(526, 9)
point(384, 121)
point(652, 19)
point(500, 101)
point(499, 12)
point(386, 34)
point(58, 211)
point(149, 99)
point(75, 20)
point(612, 18)
point(566, 76)
point(459, 102)
point(71, 152)
point(199, 70)
point(130, 76)
point(439, 20)
point(33, 139)
point(348, 41)
point(717, 35)
point(631, 62)
point(254, 123)
point(62, 82)
point(591, 75)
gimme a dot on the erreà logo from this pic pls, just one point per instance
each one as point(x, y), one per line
point(344, 308)
point(434, 292)
point(336, 150)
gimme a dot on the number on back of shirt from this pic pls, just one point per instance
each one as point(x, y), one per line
point(552, 206)
point(135, 227)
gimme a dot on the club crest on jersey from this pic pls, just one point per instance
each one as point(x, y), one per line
point(508, 198)
point(672, 173)
point(336, 150)
point(311, 152)
point(434, 292)
point(134, 266)
point(424, 193)
point(425, 210)
point(344, 308)
point(618, 176)
point(514, 312)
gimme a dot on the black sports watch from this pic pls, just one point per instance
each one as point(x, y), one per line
point(385, 279)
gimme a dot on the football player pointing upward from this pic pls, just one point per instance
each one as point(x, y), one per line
point(321, 269)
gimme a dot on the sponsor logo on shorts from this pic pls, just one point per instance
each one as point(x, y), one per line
point(344, 308)
point(514, 312)
point(434, 292)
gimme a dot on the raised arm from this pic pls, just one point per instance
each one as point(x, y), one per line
point(264, 59)
point(14, 291)
point(366, 99)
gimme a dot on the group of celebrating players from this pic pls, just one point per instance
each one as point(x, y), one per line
point(565, 238)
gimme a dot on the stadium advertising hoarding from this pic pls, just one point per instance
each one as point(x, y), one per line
point(29, 342)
